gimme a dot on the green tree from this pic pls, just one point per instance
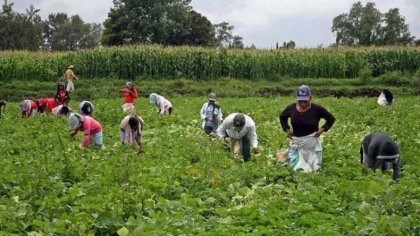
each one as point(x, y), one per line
point(195, 30)
point(54, 22)
point(20, 31)
point(366, 25)
point(63, 33)
point(237, 42)
point(224, 34)
point(165, 22)
point(395, 31)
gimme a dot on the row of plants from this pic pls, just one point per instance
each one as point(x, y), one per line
point(188, 184)
point(204, 63)
point(89, 89)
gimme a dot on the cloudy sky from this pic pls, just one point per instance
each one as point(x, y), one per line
point(259, 22)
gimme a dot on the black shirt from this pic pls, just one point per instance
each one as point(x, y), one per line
point(305, 123)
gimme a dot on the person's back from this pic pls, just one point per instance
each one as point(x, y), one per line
point(385, 98)
point(378, 150)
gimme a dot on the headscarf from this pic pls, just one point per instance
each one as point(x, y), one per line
point(155, 98)
point(86, 108)
point(25, 106)
point(75, 121)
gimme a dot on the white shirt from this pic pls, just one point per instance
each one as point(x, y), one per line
point(248, 129)
point(203, 113)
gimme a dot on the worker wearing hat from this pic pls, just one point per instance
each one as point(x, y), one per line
point(68, 77)
point(211, 114)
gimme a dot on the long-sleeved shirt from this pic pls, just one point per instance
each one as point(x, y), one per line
point(62, 97)
point(213, 112)
point(164, 105)
point(305, 123)
point(89, 127)
point(28, 107)
point(48, 103)
point(378, 149)
point(248, 129)
point(130, 94)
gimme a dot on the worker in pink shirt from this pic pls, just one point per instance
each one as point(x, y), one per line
point(92, 130)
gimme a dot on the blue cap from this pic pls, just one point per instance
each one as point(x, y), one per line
point(303, 93)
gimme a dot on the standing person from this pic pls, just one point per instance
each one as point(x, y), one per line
point(211, 114)
point(68, 77)
point(131, 128)
point(85, 108)
point(163, 105)
point(305, 150)
point(130, 93)
point(28, 108)
point(62, 96)
point(378, 150)
point(241, 129)
point(92, 130)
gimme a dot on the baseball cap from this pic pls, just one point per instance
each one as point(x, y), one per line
point(303, 93)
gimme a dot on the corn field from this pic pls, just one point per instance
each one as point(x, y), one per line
point(200, 63)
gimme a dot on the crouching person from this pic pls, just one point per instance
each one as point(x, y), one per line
point(385, 98)
point(62, 110)
point(241, 129)
point(131, 128)
point(92, 130)
point(28, 108)
point(85, 108)
point(378, 150)
point(163, 105)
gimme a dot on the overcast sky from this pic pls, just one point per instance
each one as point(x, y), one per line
point(259, 22)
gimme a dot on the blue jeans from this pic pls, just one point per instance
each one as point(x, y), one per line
point(97, 138)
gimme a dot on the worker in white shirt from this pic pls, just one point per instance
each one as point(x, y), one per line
point(241, 129)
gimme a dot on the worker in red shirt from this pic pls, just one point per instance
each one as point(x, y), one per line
point(130, 93)
point(62, 96)
point(47, 104)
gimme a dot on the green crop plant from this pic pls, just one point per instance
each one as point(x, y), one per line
point(206, 63)
point(187, 183)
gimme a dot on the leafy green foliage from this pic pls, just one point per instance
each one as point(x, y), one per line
point(145, 62)
point(186, 183)
point(166, 22)
point(366, 26)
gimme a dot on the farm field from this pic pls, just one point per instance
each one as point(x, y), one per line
point(187, 184)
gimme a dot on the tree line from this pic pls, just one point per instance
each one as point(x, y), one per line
point(174, 22)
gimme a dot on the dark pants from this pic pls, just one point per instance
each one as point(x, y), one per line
point(246, 148)
point(208, 129)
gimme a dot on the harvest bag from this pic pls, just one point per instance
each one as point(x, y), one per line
point(305, 153)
